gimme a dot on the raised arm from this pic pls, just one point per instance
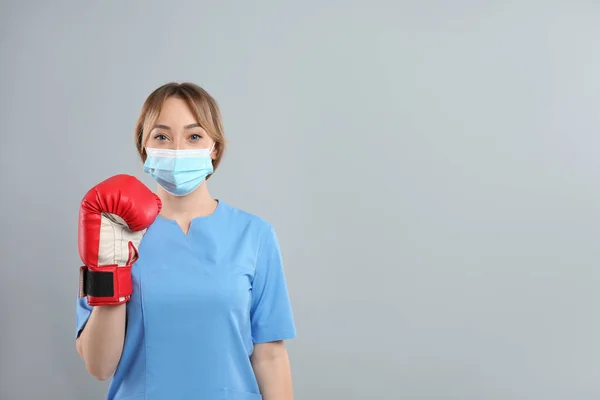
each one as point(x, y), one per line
point(114, 216)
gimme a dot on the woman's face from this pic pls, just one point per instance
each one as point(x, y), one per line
point(176, 128)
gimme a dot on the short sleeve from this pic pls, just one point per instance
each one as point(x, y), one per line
point(271, 311)
point(82, 314)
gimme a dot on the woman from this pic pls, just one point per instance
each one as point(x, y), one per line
point(182, 296)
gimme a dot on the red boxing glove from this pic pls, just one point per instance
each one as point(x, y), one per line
point(113, 217)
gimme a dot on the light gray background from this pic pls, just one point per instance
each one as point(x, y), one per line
point(431, 169)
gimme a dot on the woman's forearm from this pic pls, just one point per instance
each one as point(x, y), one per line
point(273, 372)
point(101, 341)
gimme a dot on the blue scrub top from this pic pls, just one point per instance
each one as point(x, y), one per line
point(200, 302)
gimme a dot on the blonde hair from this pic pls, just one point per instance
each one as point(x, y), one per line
point(201, 103)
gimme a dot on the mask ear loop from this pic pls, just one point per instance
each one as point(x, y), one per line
point(212, 148)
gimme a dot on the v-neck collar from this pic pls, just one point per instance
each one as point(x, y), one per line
point(194, 220)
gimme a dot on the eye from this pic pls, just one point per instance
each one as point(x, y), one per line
point(195, 137)
point(160, 137)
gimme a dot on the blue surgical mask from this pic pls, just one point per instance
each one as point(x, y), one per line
point(179, 172)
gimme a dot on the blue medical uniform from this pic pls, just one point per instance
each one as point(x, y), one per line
point(200, 302)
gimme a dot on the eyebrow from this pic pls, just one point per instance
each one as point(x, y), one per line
point(165, 127)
